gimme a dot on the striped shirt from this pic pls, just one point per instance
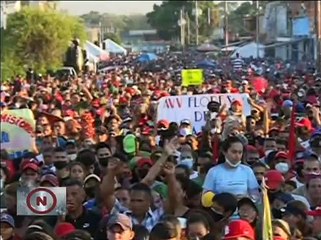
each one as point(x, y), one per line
point(237, 64)
point(151, 219)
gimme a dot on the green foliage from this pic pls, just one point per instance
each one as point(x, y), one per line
point(39, 39)
point(113, 36)
point(164, 17)
point(120, 23)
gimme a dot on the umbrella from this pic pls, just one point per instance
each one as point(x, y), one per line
point(147, 57)
point(205, 64)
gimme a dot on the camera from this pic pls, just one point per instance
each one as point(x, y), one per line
point(213, 106)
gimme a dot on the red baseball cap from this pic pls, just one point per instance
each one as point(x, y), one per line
point(144, 161)
point(315, 213)
point(163, 124)
point(282, 155)
point(251, 148)
point(237, 102)
point(239, 228)
point(64, 229)
point(123, 100)
point(304, 122)
point(30, 165)
point(52, 179)
point(273, 179)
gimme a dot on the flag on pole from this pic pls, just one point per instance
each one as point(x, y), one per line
point(267, 216)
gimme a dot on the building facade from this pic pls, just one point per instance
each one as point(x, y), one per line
point(290, 31)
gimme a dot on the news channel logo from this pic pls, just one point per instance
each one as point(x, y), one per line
point(41, 201)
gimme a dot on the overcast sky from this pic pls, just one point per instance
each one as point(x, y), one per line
point(116, 7)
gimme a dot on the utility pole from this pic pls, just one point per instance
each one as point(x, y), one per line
point(196, 21)
point(182, 26)
point(257, 28)
point(317, 16)
point(226, 24)
point(100, 35)
point(188, 23)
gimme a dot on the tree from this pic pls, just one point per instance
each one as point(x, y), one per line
point(121, 23)
point(246, 9)
point(164, 18)
point(38, 39)
point(113, 36)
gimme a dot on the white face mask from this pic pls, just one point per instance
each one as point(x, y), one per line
point(187, 162)
point(233, 165)
point(72, 157)
point(282, 167)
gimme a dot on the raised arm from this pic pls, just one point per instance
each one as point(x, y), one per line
point(107, 187)
point(169, 148)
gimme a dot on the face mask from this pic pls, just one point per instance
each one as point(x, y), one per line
point(60, 165)
point(103, 161)
point(27, 183)
point(216, 216)
point(282, 167)
point(233, 165)
point(72, 157)
point(214, 130)
point(188, 162)
point(185, 131)
point(259, 182)
point(90, 192)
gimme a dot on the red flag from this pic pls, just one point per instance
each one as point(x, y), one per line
point(292, 137)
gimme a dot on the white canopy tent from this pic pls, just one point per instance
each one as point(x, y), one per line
point(250, 50)
point(94, 52)
point(112, 47)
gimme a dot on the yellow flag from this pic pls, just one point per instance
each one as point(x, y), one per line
point(267, 217)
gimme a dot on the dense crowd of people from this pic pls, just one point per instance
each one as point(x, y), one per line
point(131, 176)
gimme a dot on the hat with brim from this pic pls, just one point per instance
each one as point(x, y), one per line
point(247, 201)
point(6, 218)
point(120, 219)
point(315, 213)
point(239, 228)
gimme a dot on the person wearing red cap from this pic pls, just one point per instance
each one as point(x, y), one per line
point(239, 230)
point(252, 155)
point(274, 180)
point(30, 172)
point(316, 214)
point(49, 180)
point(236, 111)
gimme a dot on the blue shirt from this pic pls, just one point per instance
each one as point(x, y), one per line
point(239, 181)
